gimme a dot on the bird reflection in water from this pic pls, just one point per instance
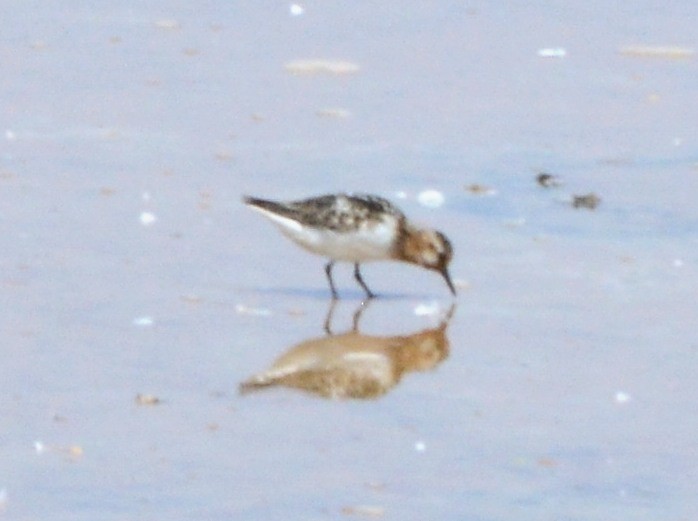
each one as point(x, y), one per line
point(354, 365)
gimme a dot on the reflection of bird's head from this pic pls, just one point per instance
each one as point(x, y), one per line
point(423, 351)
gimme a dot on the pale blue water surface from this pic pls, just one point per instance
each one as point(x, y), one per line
point(569, 389)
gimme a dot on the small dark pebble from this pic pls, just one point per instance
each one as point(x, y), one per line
point(548, 180)
point(589, 201)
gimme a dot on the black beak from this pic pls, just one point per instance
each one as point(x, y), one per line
point(447, 278)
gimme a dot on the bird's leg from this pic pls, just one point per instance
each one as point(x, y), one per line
point(357, 315)
point(328, 318)
point(357, 276)
point(328, 271)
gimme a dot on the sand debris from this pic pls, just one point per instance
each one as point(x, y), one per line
point(478, 189)
point(147, 400)
point(589, 201)
point(547, 180)
point(669, 52)
point(335, 67)
point(364, 511)
point(242, 309)
point(73, 451)
point(333, 113)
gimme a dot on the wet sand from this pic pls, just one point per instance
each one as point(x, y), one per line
point(562, 387)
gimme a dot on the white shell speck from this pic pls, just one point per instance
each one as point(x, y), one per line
point(311, 66)
point(552, 52)
point(296, 10)
point(431, 198)
point(430, 309)
point(242, 309)
point(622, 397)
point(148, 218)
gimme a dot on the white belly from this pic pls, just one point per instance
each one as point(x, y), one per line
point(365, 244)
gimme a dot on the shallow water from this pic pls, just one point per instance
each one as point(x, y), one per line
point(567, 387)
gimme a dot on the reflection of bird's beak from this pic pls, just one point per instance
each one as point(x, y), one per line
point(447, 278)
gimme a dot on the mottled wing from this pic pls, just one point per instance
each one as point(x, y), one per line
point(343, 213)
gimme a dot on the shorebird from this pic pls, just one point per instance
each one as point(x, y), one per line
point(357, 228)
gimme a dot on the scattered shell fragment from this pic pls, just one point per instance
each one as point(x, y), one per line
point(431, 198)
point(143, 321)
point(148, 218)
point(334, 113)
point(589, 201)
point(296, 9)
point(364, 511)
point(242, 309)
point(74, 451)
point(547, 180)
point(552, 52)
point(147, 399)
point(658, 51)
point(622, 397)
point(337, 67)
point(431, 309)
